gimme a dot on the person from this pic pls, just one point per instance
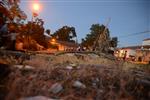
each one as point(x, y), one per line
point(9, 40)
point(140, 59)
point(3, 36)
point(125, 55)
point(79, 48)
point(13, 40)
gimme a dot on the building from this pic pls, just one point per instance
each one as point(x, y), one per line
point(146, 41)
point(139, 53)
point(63, 45)
point(67, 46)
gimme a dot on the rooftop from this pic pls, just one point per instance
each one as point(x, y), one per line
point(146, 39)
point(136, 47)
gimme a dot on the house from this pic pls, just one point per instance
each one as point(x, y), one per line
point(135, 53)
point(24, 43)
point(63, 45)
point(146, 41)
point(130, 51)
point(67, 46)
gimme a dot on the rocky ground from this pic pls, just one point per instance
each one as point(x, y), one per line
point(72, 77)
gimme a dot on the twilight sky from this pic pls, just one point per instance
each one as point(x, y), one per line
point(127, 16)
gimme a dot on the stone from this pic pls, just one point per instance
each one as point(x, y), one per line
point(69, 67)
point(70, 54)
point(23, 66)
point(78, 84)
point(93, 56)
point(73, 65)
point(56, 88)
point(37, 98)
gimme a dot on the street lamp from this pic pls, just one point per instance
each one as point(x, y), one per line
point(53, 41)
point(36, 7)
point(35, 10)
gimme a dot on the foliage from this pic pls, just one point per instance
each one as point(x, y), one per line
point(114, 42)
point(31, 34)
point(34, 31)
point(97, 37)
point(12, 11)
point(65, 33)
point(11, 17)
point(38, 31)
point(53, 46)
point(48, 31)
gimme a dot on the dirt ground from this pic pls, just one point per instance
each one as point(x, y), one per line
point(74, 77)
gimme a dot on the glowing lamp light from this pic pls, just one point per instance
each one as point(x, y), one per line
point(53, 40)
point(36, 7)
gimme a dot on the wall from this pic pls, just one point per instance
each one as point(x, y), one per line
point(146, 42)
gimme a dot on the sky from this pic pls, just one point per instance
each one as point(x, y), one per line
point(127, 17)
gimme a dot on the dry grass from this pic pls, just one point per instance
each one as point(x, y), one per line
point(105, 83)
point(104, 79)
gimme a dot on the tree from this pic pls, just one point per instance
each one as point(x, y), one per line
point(13, 15)
point(33, 32)
point(12, 11)
point(98, 38)
point(48, 31)
point(65, 33)
point(114, 42)
point(38, 32)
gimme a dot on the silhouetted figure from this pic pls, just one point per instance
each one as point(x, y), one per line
point(140, 59)
point(13, 40)
point(125, 55)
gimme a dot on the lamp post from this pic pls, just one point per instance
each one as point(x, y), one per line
point(35, 9)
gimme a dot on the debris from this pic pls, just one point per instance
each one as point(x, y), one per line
point(69, 67)
point(73, 65)
point(37, 98)
point(93, 55)
point(98, 78)
point(70, 54)
point(4, 70)
point(78, 84)
point(23, 67)
point(56, 88)
point(144, 82)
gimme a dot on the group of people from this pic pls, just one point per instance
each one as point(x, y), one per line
point(7, 37)
point(80, 48)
